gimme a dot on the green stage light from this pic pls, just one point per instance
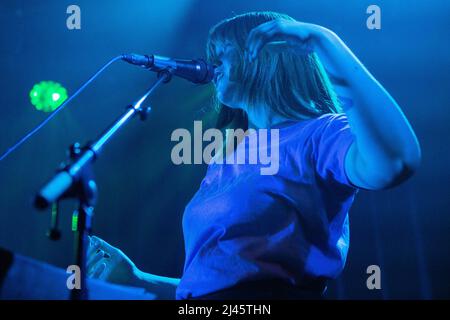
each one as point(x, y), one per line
point(47, 95)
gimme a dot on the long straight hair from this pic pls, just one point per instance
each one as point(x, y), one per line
point(292, 85)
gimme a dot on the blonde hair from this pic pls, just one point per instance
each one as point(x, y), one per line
point(293, 85)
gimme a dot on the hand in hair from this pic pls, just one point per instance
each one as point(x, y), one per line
point(386, 151)
point(297, 34)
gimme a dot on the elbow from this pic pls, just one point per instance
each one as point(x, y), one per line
point(381, 171)
point(411, 161)
point(403, 168)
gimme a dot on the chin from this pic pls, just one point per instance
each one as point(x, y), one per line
point(227, 100)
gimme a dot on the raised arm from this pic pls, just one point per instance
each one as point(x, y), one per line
point(386, 150)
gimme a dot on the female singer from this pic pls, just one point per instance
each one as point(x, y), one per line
point(281, 236)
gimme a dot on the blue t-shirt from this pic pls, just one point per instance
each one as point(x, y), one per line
point(242, 225)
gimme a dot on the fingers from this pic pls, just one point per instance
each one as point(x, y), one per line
point(97, 264)
point(94, 245)
point(98, 271)
point(94, 258)
point(97, 242)
point(96, 253)
point(296, 34)
point(258, 37)
point(101, 258)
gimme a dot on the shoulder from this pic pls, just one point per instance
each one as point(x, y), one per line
point(329, 124)
point(332, 119)
point(315, 128)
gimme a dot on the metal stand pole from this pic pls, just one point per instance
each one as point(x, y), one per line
point(76, 180)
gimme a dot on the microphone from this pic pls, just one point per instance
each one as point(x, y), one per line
point(196, 71)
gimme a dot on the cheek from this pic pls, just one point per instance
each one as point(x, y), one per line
point(231, 79)
point(234, 73)
point(228, 88)
point(228, 92)
point(223, 88)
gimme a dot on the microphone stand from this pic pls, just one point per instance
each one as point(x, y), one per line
point(76, 180)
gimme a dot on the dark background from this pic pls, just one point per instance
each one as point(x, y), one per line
point(404, 230)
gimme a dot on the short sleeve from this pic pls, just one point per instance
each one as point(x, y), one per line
point(331, 141)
